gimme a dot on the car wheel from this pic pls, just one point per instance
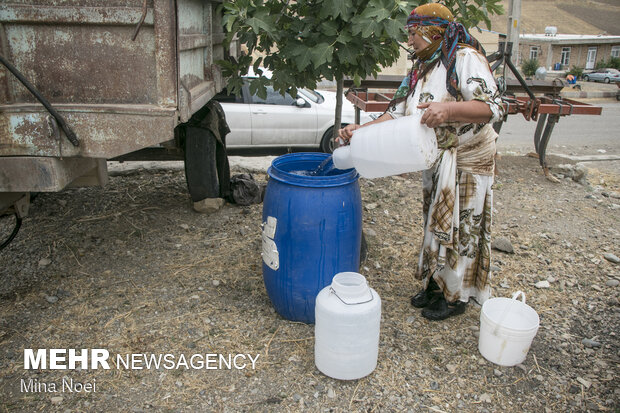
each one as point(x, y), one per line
point(606, 80)
point(586, 78)
point(327, 143)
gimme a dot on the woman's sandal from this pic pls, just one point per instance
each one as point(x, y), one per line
point(441, 309)
point(426, 296)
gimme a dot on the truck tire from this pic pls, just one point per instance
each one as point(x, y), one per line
point(200, 164)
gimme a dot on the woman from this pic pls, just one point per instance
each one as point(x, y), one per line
point(452, 84)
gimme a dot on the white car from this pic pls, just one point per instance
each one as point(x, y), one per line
point(283, 121)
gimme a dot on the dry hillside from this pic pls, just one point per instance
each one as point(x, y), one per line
point(569, 16)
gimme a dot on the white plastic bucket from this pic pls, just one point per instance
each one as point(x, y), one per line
point(507, 328)
point(347, 325)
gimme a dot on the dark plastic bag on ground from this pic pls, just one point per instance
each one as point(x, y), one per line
point(245, 190)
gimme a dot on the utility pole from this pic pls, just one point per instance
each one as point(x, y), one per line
point(514, 28)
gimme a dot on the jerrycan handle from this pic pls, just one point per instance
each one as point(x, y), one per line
point(332, 291)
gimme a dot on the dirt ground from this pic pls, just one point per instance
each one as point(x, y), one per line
point(132, 269)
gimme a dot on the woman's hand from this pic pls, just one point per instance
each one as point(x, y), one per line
point(435, 114)
point(345, 134)
point(470, 111)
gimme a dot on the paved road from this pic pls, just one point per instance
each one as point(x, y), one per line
point(572, 135)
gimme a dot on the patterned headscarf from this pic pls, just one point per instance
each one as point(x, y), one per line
point(433, 21)
point(430, 12)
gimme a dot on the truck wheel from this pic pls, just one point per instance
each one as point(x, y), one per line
point(327, 143)
point(200, 165)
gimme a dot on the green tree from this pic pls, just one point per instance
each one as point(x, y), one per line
point(613, 62)
point(601, 64)
point(576, 71)
point(304, 41)
point(529, 66)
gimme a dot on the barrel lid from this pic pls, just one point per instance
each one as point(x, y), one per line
point(286, 169)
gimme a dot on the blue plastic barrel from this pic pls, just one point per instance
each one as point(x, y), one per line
point(312, 230)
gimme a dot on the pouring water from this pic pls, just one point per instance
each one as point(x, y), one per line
point(324, 168)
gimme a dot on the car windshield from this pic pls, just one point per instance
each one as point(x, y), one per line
point(313, 95)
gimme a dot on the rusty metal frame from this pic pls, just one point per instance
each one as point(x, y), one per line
point(165, 52)
point(4, 76)
point(43, 174)
point(369, 101)
point(105, 128)
point(378, 102)
point(92, 121)
point(551, 106)
point(58, 118)
point(547, 113)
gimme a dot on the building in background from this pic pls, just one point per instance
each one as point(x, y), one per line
point(563, 51)
point(589, 31)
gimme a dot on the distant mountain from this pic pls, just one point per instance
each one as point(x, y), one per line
point(569, 16)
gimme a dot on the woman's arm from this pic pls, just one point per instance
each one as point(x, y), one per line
point(346, 133)
point(472, 111)
point(481, 101)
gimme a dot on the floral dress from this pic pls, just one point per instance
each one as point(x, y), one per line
point(458, 199)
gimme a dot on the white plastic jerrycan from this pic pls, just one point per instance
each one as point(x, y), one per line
point(347, 324)
point(389, 148)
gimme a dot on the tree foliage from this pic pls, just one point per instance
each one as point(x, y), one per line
point(529, 67)
point(613, 62)
point(576, 71)
point(304, 41)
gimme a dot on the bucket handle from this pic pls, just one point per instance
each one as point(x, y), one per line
point(508, 308)
point(515, 295)
point(331, 290)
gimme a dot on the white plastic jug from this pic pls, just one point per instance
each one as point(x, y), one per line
point(389, 148)
point(346, 330)
point(507, 328)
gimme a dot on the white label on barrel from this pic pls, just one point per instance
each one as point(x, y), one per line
point(270, 227)
point(270, 253)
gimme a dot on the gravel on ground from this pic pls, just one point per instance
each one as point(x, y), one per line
point(133, 269)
